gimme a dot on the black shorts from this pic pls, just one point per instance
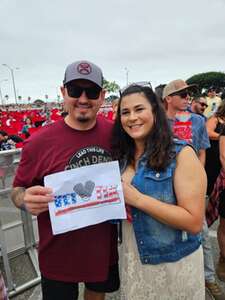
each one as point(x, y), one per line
point(58, 290)
point(221, 208)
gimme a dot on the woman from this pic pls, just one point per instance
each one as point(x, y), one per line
point(214, 126)
point(164, 184)
point(216, 207)
point(28, 124)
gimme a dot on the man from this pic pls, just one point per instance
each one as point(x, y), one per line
point(198, 106)
point(213, 102)
point(176, 100)
point(191, 127)
point(8, 142)
point(89, 254)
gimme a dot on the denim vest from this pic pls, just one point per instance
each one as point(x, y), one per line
point(158, 242)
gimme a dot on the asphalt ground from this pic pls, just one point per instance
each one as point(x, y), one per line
point(22, 270)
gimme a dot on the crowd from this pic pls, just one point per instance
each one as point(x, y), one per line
point(168, 143)
point(17, 123)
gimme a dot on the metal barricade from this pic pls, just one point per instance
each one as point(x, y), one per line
point(21, 232)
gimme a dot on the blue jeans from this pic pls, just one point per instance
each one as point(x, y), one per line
point(209, 268)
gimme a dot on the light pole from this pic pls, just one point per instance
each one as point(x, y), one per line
point(13, 80)
point(6, 98)
point(1, 90)
point(127, 72)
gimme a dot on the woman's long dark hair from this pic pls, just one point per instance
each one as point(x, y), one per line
point(159, 144)
point(220, 113)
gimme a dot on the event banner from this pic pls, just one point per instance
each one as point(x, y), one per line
point(85, 196)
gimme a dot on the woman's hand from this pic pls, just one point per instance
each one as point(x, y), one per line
point(131, 194)
point(128, 174)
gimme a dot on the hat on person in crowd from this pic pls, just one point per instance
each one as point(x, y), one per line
point(176, 86)
point(211, 89)
point(83, 70)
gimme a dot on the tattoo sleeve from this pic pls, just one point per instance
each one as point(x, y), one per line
point(17, 196)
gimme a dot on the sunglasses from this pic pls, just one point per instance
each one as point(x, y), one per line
point(140, 83)
point(183, 94)
point(203, 104)
point(76, 91)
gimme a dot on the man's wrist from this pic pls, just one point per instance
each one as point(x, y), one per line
point(18, 197)
point(23, 207)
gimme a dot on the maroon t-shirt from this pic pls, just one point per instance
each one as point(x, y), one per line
point(84, 254)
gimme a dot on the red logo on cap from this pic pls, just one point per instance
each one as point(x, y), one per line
point(84, 68)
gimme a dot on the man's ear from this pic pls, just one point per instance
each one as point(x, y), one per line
point(63, 90)
point(103, 93)
point(168, 99)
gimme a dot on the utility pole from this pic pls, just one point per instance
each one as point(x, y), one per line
point(1, 90)
point(13, 80)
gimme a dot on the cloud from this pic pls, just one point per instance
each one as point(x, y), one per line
point(160, 40)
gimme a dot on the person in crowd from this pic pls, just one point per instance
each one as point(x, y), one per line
point(8, 142)
point(220, 270)
point(184, 124)
point(159, 92)
point(48, 120)
point(214, 126)
point(114, 107)
point(3, 292)
point(213, 102)
point(10, 121)
point(85, 255)
point(160, 240)
point(216, 207)
point(198, 106)
point(191, 127)
point(223, 96)
point(28, 124)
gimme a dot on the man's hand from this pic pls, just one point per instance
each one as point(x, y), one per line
point(36, 199)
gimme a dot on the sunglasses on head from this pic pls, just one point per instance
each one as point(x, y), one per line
point(182, 94)
point(75, 91)
point(140, 83)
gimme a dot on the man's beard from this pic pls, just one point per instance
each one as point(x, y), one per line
point(83, 119)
